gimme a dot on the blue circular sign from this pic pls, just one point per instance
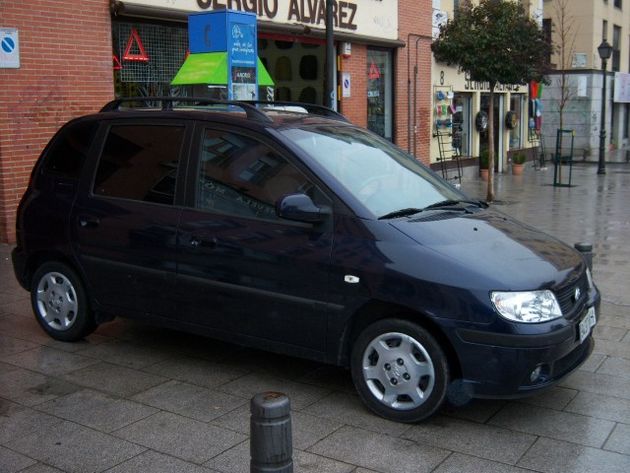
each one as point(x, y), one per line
point(8, 45)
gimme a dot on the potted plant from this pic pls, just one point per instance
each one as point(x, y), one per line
point(483, 164)
point(518, 161)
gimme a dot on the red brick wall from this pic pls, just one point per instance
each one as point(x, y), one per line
point(414, 27)
point(414, 17)
point(65, 71)
point(355, 106)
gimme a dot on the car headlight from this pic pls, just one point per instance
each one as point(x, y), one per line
point(528, 307)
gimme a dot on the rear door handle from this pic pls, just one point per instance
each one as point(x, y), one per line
point(88, 222)
point(197, 242)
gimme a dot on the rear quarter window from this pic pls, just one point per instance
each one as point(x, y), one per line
point(69, 150)
point(140, 162)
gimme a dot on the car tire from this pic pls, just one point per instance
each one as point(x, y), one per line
point(60, 303)
point(399, 370)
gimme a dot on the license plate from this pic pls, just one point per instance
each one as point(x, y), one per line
point(587, 323)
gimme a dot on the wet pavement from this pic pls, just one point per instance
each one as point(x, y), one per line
point(134, 398)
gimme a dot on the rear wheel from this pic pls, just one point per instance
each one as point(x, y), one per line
point(399, 370)
point(60, 304)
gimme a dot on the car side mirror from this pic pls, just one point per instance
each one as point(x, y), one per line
point(300, 207)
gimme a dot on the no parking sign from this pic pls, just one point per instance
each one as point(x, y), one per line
point(9, 48)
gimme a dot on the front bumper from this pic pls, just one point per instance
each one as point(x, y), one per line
point(501, 365)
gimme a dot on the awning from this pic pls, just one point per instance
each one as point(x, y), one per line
point(212, 68)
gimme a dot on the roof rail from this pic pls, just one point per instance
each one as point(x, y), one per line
point(167, 104)
point(308, 108)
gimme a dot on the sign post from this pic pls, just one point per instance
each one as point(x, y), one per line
point(9, 48)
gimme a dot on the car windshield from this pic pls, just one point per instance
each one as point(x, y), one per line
point(381, 176)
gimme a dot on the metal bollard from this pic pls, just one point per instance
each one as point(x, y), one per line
point(271, 446)
point(587, 252)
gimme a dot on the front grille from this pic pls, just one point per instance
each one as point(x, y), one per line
point(566, 295)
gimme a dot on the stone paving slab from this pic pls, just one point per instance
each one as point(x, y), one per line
point(503, 445)
point(74, 448)
point(136, 398)
point(97, 410)
point(184, 438)
point(189, 400)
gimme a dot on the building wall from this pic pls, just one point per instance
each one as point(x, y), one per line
point(355, 106)
point(445, 78)
point(582, 113)
point(587, 17)
point(65, 71)
point(414, 26)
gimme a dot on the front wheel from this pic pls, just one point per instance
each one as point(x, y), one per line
point(60, 304)
point(399, 370)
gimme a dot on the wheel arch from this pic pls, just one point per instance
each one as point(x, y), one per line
point(39, 258)
point(376, 310)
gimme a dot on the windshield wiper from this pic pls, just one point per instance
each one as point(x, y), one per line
point(400, 213)
point(438, 205)
point(451, 203)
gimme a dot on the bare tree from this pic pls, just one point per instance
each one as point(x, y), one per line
point(565, 33)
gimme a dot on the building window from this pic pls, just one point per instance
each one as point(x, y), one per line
point(546, 26)
point(461, 124)
point(165, 48)
point(616, 56)
point(379, 92)
point(516, 106)
point(618, 4)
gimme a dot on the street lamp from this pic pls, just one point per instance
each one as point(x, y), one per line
point(605, 51)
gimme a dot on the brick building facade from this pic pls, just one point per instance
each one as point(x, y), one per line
point(66, 70)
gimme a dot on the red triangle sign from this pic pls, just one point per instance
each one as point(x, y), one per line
point(374, 73)
point(117, 64)
point(141, 55)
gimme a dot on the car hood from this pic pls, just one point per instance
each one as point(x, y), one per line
point(494, 246)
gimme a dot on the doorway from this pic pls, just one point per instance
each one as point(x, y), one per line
point(498, 129)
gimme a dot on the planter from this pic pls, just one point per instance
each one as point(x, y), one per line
point(517, 169)
point(483, 173)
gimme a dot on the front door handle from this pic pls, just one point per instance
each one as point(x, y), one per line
point(197, 242)
point(88, 222)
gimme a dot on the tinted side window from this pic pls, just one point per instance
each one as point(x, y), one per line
point(140, 162)
point(69, 150)
point(241, 176)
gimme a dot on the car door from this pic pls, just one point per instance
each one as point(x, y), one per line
point(125, 218)
point(242, 270)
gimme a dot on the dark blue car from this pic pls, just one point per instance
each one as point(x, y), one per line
point(301, 234)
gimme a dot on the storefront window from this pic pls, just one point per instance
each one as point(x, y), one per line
point(516, 106)
point(461, 124)
point(379, 92)
point(297, 68)
point(147, 57)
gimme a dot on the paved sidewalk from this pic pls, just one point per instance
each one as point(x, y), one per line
point(133, 398)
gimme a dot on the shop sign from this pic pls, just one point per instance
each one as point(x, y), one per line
point(485, 86)
point(134, 42)
point(346, 85)
point(622, 87)
point(372, 18)
point(373, 72)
